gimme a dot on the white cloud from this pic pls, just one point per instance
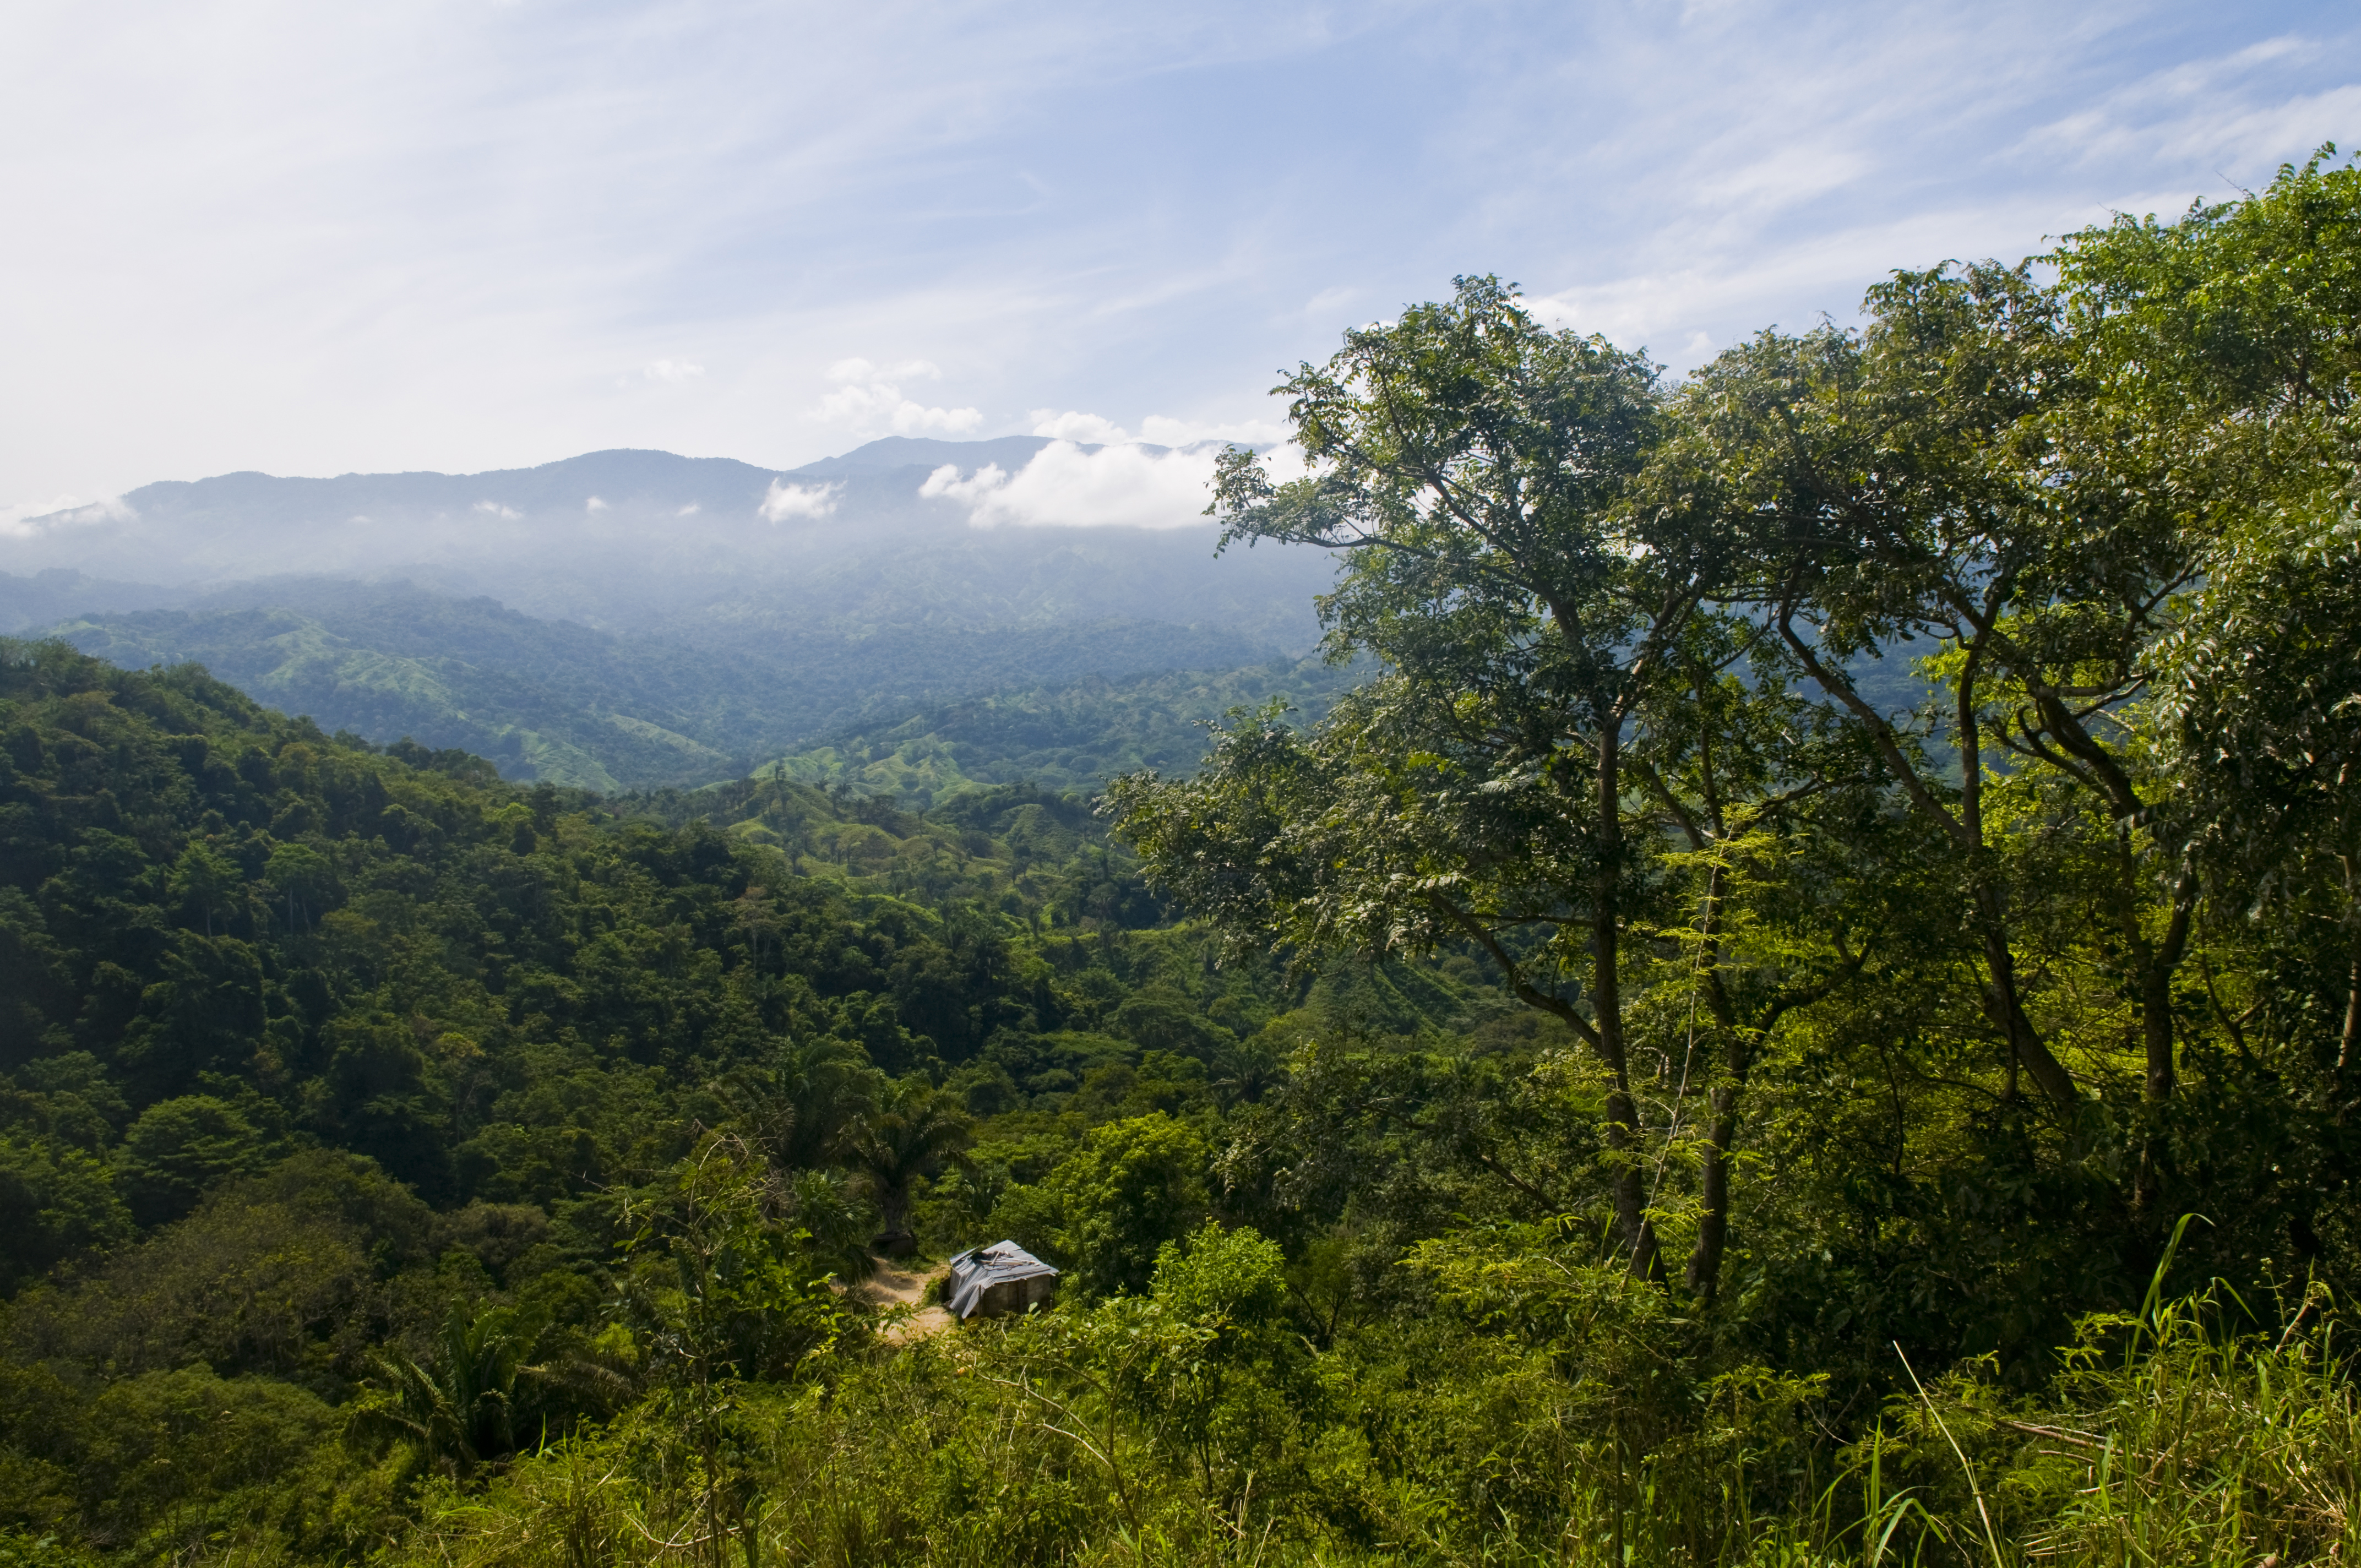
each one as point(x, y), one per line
point(314, 240)
point(691, 510)
point(2189, 122)
point(1072, 425)
point(945, 483)
point(494, 508)
point(783, 500)
point(1679, 313)
point(911, 419)
point(594, 504)
point(869, 400)
point(673, 372)
point(28, 520)
point(1064, 487)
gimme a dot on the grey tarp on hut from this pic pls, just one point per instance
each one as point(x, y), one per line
point(1002, 1277)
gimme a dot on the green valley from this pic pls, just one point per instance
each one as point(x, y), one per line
point(570, 705)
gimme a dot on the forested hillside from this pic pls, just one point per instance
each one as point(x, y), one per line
point(1803, 1008)
point(318, 1055)
point(565, 704)
point(1071, 736)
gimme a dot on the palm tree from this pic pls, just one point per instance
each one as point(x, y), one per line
point(471, 1404)
point(461, 1410)
point(910, 1134)
point(812, 1093)
point(839, 1225)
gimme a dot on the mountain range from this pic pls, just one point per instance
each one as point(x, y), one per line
point(634, 619)
point(651, 543)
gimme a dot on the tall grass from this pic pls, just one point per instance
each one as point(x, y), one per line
point(2188, 1433)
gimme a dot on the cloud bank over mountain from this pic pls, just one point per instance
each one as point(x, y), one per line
point(1027, 530)
point(625, 618)
point(1067, 485)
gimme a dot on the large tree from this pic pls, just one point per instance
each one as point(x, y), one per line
point(1952, 486)
point(1529, 616)
point(2228, 337)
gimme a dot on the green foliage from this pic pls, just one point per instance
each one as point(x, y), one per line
point(55, 1201)
point(1107, 1211)
point(911, 1133)
point(177, 1149)
point(1233, 1278)
point(463, 1408)
point(271, 1274)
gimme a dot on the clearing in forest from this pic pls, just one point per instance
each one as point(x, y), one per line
point(895, 1286)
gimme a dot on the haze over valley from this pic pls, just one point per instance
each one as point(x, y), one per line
point(631, 619)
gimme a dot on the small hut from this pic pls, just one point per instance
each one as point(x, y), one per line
point(1002, 1277)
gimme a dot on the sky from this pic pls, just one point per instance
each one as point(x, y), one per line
point(463, 235)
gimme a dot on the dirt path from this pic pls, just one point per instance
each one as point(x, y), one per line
point(895, 1286)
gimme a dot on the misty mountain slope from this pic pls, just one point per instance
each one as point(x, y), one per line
point(575, 705)
point(59, 593)
point(1054, 577)
point(709, 549)
point(532, 720)
point(1062, 737)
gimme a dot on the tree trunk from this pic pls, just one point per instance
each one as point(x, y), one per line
point(1634, 1235)
point(1966, 833)
point(894, 1237)
point(2158, 962)
point(2349, 1043)
point(1713, 1179)
point(2025, 1042)
point(1713, 1220)
point(2351, 1037)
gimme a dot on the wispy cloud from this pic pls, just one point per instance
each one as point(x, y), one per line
point(2205, 111)
point(457, 236)
point(1074, 425)
point(1157, 430)
point(1166, 432)
point(27, 520)
point(494, 508)
point(868, 401)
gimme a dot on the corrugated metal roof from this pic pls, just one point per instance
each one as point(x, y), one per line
point(979, 1270)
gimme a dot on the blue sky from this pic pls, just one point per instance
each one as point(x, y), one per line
point(459, 235)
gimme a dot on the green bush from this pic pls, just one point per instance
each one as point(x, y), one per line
point(1108, 1210)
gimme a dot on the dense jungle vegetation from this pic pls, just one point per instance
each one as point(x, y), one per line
point(1808, 1010)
